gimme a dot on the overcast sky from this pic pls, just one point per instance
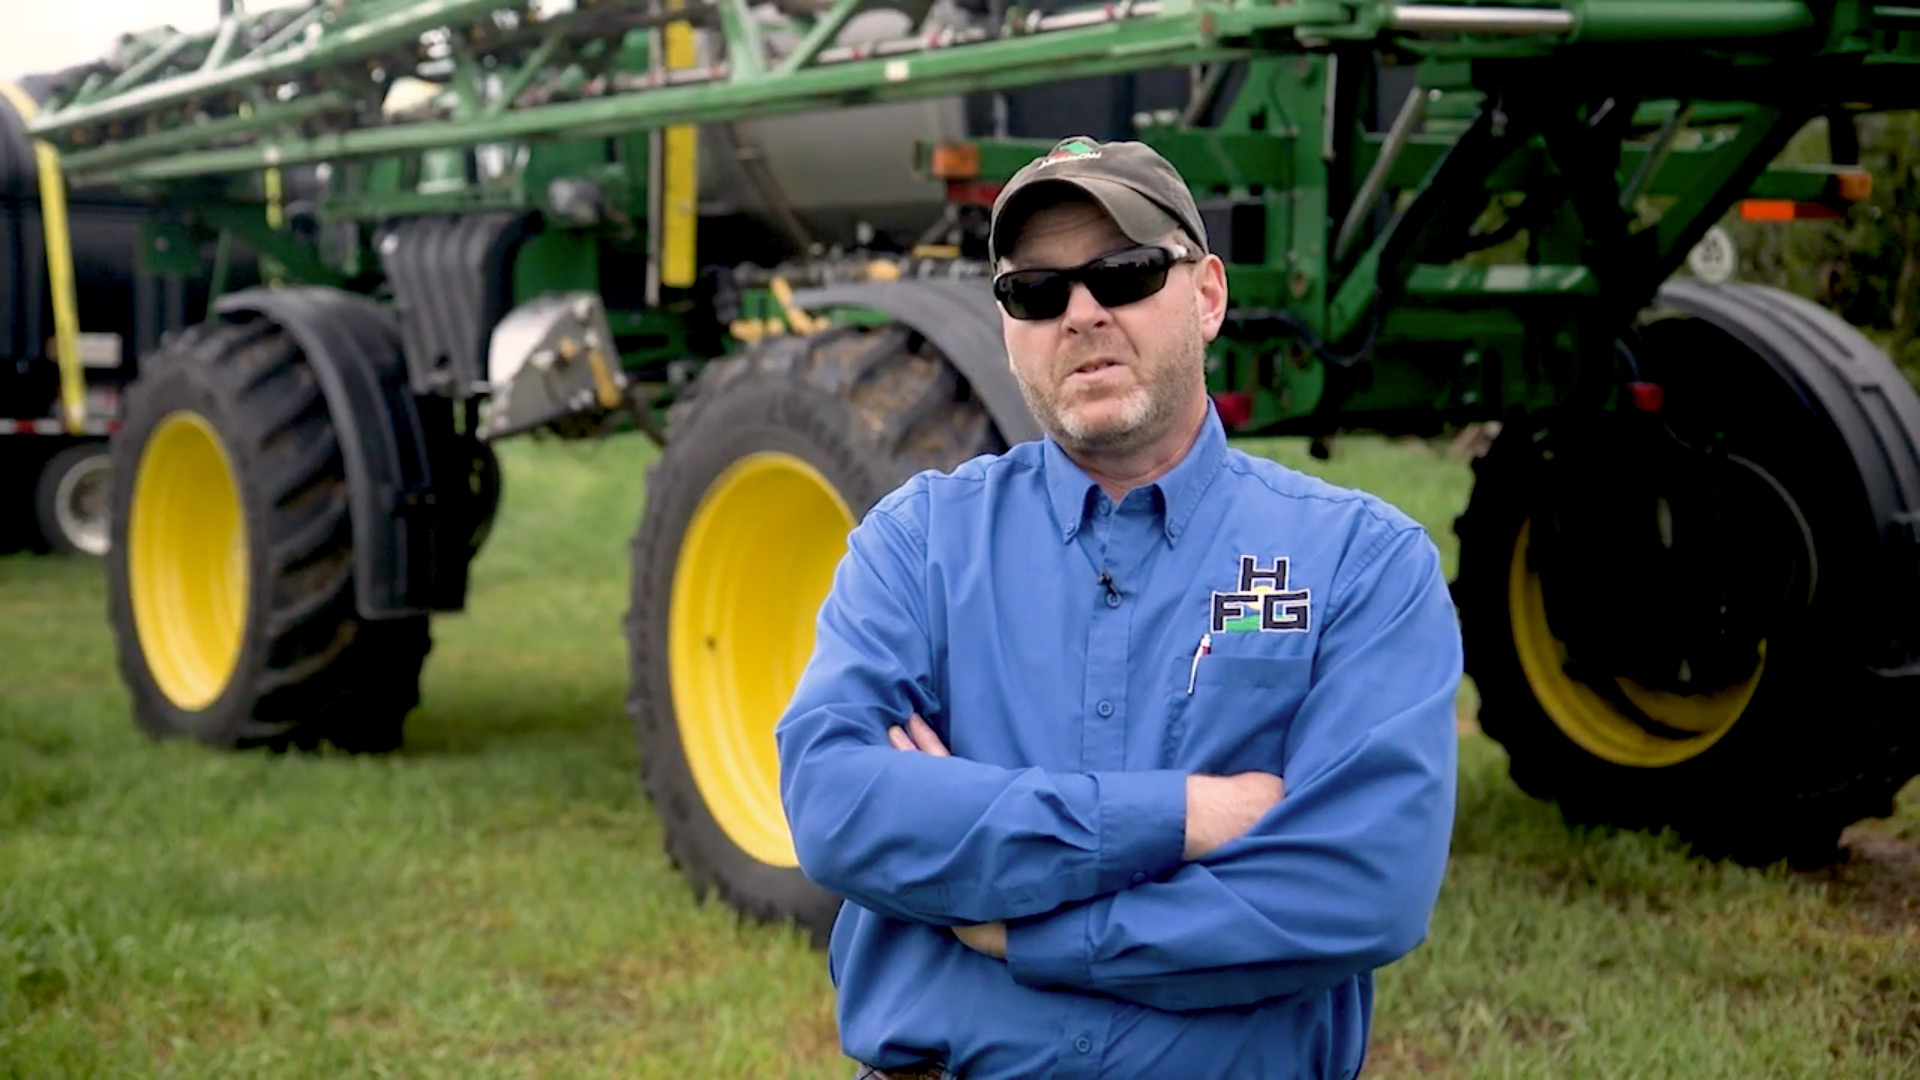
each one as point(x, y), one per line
point(46, 35)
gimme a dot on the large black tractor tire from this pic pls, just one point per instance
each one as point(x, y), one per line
point(231, 573)
point(72, 499)
point(1704, 618)
point(773, 458)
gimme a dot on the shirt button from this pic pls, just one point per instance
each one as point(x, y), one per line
point(1083, 1044)
point(1113, 599)
point(1105, 708)
point(1138, 877)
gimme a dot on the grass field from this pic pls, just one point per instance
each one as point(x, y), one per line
point(493, 901)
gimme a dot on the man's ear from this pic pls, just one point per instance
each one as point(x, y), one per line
point(1210, 294)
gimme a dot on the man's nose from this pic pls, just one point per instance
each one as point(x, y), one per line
point(1083, 311)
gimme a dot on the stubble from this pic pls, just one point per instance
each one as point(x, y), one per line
point(1163, 384)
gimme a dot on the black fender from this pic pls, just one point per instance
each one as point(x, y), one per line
point(410, 556)
point(962, 320)
point(1874, 412)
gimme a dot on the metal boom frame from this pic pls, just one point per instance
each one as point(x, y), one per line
point(1625, 128)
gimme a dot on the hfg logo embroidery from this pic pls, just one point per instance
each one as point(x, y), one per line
point(1263, 602)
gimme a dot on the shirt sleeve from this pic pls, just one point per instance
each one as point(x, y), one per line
point(941, 840)
point(1340, 877)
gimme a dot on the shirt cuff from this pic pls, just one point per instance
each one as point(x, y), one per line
point(1143, 826)
point(1052, 949)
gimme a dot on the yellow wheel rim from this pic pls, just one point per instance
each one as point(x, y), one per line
point(187, 561)
point(757, 561)
point(1697, 721)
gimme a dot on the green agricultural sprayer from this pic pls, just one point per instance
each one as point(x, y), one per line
point(1689, 571)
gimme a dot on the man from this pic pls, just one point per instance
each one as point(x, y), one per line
point(1133, 755)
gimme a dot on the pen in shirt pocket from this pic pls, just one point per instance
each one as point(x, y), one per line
point(1200, 650)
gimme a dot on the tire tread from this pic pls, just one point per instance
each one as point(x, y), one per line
point(883, 406)
point(311, 670)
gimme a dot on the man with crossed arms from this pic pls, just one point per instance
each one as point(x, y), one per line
point(1132, 755)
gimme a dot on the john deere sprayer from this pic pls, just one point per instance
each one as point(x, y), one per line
point(1689, 571)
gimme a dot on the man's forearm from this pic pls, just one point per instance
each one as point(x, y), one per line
point(943, 841)
point(1339, 879)
point(949, 841)
point(1219, 810)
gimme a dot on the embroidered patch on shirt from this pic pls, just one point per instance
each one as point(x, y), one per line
point(1263, 602)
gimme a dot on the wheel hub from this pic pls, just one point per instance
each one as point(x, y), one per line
point(80, 505)
point(1643, 593)
point(756, 562)
point(187, 561)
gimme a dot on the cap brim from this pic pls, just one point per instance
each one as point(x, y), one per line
point(1140, 218)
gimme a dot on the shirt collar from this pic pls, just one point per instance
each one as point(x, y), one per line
point(1071, 491)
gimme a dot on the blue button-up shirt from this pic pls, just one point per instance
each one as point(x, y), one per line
point(1081, 659)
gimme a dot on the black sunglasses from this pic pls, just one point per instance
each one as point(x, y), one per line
point(1115, 280)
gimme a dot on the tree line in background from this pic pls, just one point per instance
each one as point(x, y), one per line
point(1866, 266)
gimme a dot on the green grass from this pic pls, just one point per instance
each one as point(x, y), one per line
point(493, 901)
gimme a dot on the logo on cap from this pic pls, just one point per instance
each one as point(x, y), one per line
point(1071, 151)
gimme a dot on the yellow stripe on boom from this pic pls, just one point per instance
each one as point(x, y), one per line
point(680, 173)
point(53, 217)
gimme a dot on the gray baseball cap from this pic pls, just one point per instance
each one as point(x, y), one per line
point(1137, 187)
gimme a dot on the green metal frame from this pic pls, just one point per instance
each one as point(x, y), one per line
point(1478, 256)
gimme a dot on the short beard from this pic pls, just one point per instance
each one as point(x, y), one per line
point(1146, 413)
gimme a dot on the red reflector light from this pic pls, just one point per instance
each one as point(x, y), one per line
point(1784, 210)
point(1235, 409)
point(972, 192)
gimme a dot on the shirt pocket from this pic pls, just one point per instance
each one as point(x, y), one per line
point(1237, 715)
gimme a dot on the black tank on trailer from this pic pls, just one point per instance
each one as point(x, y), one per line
point(52, 482)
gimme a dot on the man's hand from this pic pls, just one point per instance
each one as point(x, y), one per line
point(918, 735)
point(988, 938)
point(1223, 808)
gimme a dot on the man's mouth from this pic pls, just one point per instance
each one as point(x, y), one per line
point(1091, 366)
